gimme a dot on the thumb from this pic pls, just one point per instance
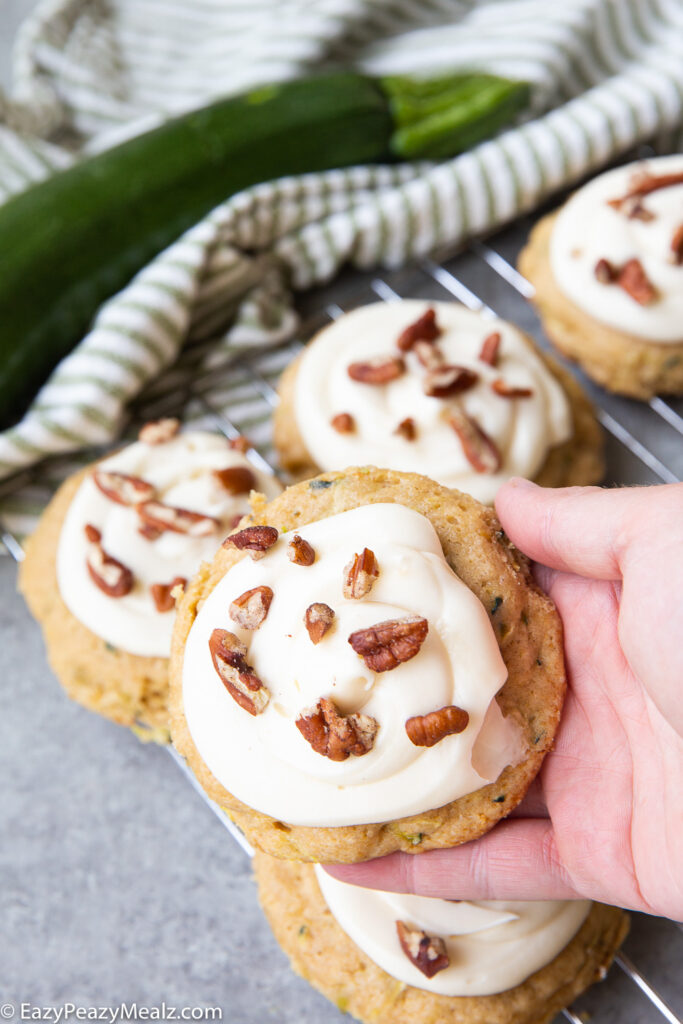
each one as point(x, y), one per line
point(517, 860)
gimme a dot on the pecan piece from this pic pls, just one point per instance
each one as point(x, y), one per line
point(255, 539)
point(445, 381)
point(635, 282)
point(427, 952)
point(149, 532)
point(250, 608)
point(425, 328)
point(159, 431)
point(480, 451)
point(122, 488)
point(605, 272)
point(677, 245)
point(426, 730)
point(343, 423)
point(336, 736)
point(386, 645)
point(300, 551)
point(506, 390)
point(177, 520)
point(111, 576)
point(381, 370)
point(229, 659)
point(428, 354)
point(240, 444)
point(643, 184)
point(360, 575)
point(162, 593)
point(235, 479)
point(407, 429)
point(318, 619)
point(490, 348)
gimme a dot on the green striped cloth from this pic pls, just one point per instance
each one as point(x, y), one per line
point(606, 74)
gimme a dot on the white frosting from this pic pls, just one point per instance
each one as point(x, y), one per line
point(267, 763)
point(587, 229)
point(523, 429)
point(181, 472)
point(492, 945)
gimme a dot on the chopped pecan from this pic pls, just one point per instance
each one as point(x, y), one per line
point(427, 952)
point(336, 736)
point(318, 619)
point(506, 390)
point(240, 444)
point(643, 184)
point(446, 381)
point(490, 348)
point(480, 451)
point(677, 245)
point(159, 431)
point(360, 575)
point(605, 272)
point(236, 479)
point(386, 645)
point(149, 532)
point(177, 520)
point(425, 328)
point(426, 730)
point(111, 576)
point(428, 354)
point(162, 593)
point(257, 540)
point(381, 370)
point(250, 608)
point(407, 429)
point(635, 282)
point(229, 659)
point(343, 423)
point(300, 551)
point(637, 211)
point(122, 488)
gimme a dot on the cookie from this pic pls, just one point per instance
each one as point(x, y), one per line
point(384, 676)
point(563, 947)
point(436, 389)
point(101, 568)
point(608, 274)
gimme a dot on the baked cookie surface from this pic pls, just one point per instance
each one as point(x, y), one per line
point(525, 629)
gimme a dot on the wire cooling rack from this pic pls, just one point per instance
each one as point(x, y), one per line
point(644, 445)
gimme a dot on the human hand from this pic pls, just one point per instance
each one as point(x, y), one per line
point(604, 819)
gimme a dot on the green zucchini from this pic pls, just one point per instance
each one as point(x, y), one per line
point(69, 243)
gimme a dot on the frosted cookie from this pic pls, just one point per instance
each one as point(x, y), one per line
point(608, 274)
point(113, 545)
point(366, 667)
point(434, 388)
point(392, 959)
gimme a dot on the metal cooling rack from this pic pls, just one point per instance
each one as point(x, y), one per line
point(644, 445)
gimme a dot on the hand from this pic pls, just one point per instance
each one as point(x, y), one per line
point(604, 819)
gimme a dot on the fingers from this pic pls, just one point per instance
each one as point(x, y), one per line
point(518, 860)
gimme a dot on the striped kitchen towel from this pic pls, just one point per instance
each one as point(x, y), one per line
point(605, 75)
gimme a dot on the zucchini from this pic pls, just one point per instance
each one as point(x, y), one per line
point(69, 243)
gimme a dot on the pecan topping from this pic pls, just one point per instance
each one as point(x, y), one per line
point(446, 381)
point(159, 431)
point(360, 575)
point(122, 488)
point(428, 354)
point(490, 348)
point(334, 735)
point(250, 608)
point(388, 644)
point(343, 423)
point(111, 576)
point(407, 429)
point(677, 245)
point(635, 282)
point(300, 551)
point(240, 444)
point(480, 451)
point(425, 328)
point(162, 593)
point(149, 532)
point(605, 272)
point(381, 370)
point(426, 730)
point(637, 211)
point(427, 952)
point(236, 479)
point(177, 520)
point(254, 539)
point(239, 678)
point(643, 184)
point(509, 391)
point(318, 619)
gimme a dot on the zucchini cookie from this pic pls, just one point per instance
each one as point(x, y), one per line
point(387, 958)
point(608, 274)
point(367, 667)
point(113, 544)
point(434, 388)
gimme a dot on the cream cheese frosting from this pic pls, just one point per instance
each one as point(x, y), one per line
point(492, 946)
point(523, 429)
point(181, 472)
point(265, 761)
point(588, 229)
